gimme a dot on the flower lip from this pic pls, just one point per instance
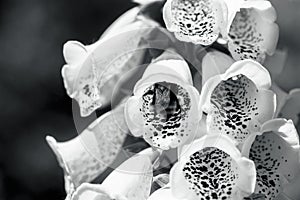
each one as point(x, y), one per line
point(253, 32)
point(276, 155)
point(197, 21)
point(238, 101)
point(164, 106)
point(86, 156)
point(205, 159)
point(135, 184)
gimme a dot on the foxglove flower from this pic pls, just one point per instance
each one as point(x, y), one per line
point(238, 101)
point(89, 154)
point(163, 108)
point(212, 168)
point(253, 32)
point(276, 156)
point(130, 181)
point(92, 69)
point(197, 21)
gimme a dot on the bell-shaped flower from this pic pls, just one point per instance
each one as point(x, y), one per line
point(90, 153)
point(276, 156)
point(238, 101)
point(163, 108)
point(197, 21)
point(211, 168)
point(130, 181)
point(91, 71)
point(253, 32)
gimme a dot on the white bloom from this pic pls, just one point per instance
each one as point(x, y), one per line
point(238, 101)
point(164, 107)
point(89, 154)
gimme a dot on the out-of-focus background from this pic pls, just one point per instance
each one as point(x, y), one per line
point(32, 97)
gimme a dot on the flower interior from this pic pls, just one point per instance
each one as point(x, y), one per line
point(165, 110)
point(211, 174)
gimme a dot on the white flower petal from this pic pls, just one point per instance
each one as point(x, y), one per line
point(253, 33)
point(238, 108)
point(215, 63)
point(281, 96)
point(212, 167)
point(167, 103)
point(253, 70)
point(136, 175)
point(232, 6)
point(91, 81)
point(162, 194)
point(81, 162)
point(197, 21)
point(143, 2)
point(87, 191)
point(128, 182)
point(133, 116)
point(238, 102)
point(276, 156)
point(167, 16)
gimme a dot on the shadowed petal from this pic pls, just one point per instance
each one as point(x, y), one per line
point(276, 157)
point(130, 181)
point(290, 107)
point(92, 71)
point(253, 33)
point(89, 154)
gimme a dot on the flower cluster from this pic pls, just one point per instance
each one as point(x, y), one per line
point(221, 124)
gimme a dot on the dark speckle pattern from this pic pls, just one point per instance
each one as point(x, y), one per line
point(246, 37)
point(197, 19)
point(211, 174)
point(233, 107)
point(165, 110)
point(270, 155)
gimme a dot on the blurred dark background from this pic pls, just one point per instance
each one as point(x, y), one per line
point(33, 100)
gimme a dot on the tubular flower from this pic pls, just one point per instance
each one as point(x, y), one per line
point(163, 108)
point(197, 21)
point(212, 168)
point(89, 154)
point(92, 69)
point(276, 157)
point(127, 182)
point(238, 101)
point(253, 32)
